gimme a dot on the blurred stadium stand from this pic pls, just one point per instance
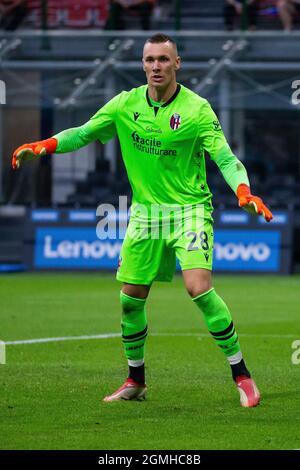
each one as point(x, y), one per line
point(68, 14)
point(173, 14)
point(58, 78)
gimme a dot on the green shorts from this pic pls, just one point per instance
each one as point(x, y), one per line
point(149, 254)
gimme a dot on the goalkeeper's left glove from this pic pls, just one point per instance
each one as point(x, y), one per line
point(252, 204)
point(33, 151)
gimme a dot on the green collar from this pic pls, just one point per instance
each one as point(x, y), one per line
point(154, 104)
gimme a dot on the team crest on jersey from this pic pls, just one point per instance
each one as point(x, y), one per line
point(175, 121)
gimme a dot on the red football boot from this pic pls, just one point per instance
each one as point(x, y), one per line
point(249, 393)
point(130, 390)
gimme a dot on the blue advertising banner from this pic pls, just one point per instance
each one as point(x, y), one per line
point(247, 250)
point(44, 215)
point(234, 250)
point(68, 240)
point(74, 247)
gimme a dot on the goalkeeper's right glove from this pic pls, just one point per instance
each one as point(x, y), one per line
point(33, 151)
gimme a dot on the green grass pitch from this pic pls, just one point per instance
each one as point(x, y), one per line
point(51, 393)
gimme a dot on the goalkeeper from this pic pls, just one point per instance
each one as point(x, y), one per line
point(164, 129)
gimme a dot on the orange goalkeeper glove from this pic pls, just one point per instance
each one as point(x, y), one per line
point(33, 151)
point(252, 204)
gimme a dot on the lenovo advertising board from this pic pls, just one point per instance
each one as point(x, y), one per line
point(68, 240)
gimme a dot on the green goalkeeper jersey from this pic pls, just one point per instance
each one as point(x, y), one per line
point(162, 147)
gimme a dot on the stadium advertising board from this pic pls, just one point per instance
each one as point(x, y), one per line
point(68, 240)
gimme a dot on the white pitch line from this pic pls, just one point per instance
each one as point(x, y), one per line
point(63, 338)
point(117, 335)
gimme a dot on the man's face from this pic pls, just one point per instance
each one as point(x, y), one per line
point(160, 62)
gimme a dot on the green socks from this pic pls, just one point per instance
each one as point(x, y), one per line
point(219, 323)
point(217, 318)
point(134, 328)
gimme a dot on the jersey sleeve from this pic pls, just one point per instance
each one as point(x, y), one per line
point(101, 127)
point(214, 142)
